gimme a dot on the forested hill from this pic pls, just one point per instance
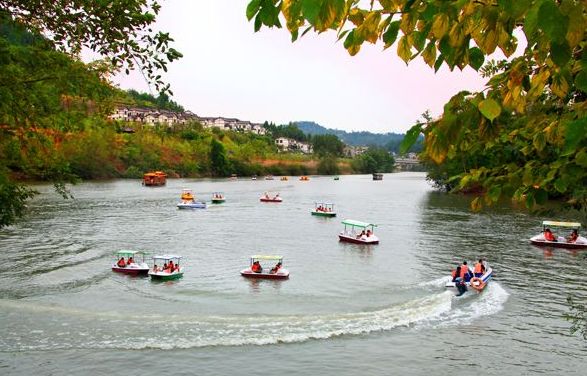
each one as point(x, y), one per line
point(387, 140)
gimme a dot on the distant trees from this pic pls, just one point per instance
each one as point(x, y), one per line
point(289, 130)
point(375, 159)
point(327, 144)
point(219, 163)
point(162, 101)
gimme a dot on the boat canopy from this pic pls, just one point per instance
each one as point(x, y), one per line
point(166, 257)
point(265, 257)
point(561, 224)
point(327, 204)
point(352, 222)
point(127, 253)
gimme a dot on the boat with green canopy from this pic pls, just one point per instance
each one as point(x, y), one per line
point(218, 198)
point(130, 262)
point(324, 209)
point(166, 268)
point(548, 238)
point(358, 232)
point(260, 269)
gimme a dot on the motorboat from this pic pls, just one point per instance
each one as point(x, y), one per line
point(474, 282)
point(269, 177)
point(548, 238)
point(254, 177)
point(218, 198)
point(351, 232)
point(304, 178)
point(257, 270)
point(266, 197)
point(323, 209)
point(130, 262)
point(188, 201)
point(166, 268)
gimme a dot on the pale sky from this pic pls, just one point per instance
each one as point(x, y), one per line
point(229, 70)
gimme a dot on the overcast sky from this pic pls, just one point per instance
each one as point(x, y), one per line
point(229, 70)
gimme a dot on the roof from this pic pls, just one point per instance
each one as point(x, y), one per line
point(561, 224)
point(262, 257)
point(352, 222)
point(125, 252)
point(166, 257)
point(323, 203)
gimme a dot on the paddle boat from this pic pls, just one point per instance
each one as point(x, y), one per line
point(130, 262)
point(256, 270)
point(233, 177)
point(284, 178)
point(477, 283)
point(324, 209)
point(350, 234)
point(218, 198)
point(377, 176)
point(161, 268)
point(304, 178)
point(254, 177)
point(336, 178)
point(572, 241)
point(188, 201)
point(269, 177)
point(268, 198)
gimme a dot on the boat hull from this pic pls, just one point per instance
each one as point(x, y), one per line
point(269, 200)
point(130, 271)
point(218, 200)
point(198, 205)
point(354, 240)
point(282, 274)
point(165, 276)
point(323, 214)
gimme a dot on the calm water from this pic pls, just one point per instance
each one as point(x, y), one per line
point(345, 310)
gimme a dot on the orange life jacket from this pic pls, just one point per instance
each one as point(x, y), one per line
point(478, 268)
point(464, 270)
point(548, 236)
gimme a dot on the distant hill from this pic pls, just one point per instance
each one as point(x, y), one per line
point(389, 141)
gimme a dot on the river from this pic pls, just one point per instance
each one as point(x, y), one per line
point(346, 309)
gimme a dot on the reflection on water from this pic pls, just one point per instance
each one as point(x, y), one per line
point(343, 304)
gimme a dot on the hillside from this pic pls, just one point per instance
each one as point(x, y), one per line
point(390, 141)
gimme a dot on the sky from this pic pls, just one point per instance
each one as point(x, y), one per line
point(229, 70)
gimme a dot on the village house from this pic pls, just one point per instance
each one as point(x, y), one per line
point(288, 144)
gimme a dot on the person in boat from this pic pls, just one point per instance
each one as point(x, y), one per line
point(549, 236)
point(266, 195)
point(479, 269)
point(121, 263)
point(171, 266)
point(456, 273)
point(465, 272)
point(573, 236)
point(176, 269)
point(256, 267)
point(130, 261)
point(276, 268)
point(460, 285)
point(165, 267)
point(369, 233)
point(361, 234)
point(155, 268)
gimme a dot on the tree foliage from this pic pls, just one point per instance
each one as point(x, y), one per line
point(162, 101)
point(219, 163)
point(523, 137)
point(375, 159)
point(290, 130)
point(327, 144)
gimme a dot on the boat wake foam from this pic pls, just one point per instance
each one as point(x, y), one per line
point(93, 330)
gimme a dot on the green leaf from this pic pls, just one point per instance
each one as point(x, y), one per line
point(560, 185)
point(390, 34)
point(489, 108)
point(530, 201)
point(494, 193)
point(311, 10)
point(438, 63)
point(575, 132)
point(252, 8)
point(410, 138)
point(581, 158)
point(560, 53)
point(581, 79)
point(531, 21)
point(552, 21)
point(476, 58)
point(541, 196)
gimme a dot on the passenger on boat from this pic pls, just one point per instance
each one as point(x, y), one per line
point(121, 263)
point(573, 237)
point(456, 273)
point(176, 268)
point(465, 272)
point(275, 268)
point(155, 268)
point(461, 286)
point(165, 267)
point(130, 261)
point(171, 266)
point(256, 267)
point(549, 236)
point(479, 268)
point(369, 233)
point(361, 234)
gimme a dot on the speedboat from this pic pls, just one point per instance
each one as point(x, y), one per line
point(350, 233)
point(130, 262)
point(256, 270)
point(476, 283)
point(267, 198)
point(161, 268)
point(324, 209)
point(188, 201)
point(573, 241)
point(218, 198)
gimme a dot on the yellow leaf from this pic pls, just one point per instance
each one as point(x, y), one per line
point(429, 54)
point(440, 25)
point(559, 86)
point(408, 23)
point(404, 49)
point(456, 35)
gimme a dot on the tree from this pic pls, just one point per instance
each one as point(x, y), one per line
point(327, 144)
point(375, 159)
point(550, 74)
point(328, 165)
point(219, 163)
